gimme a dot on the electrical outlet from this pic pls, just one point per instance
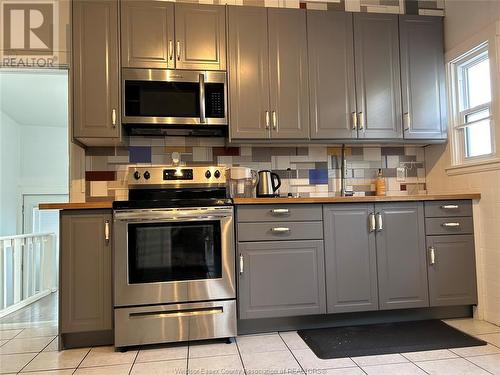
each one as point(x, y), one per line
point(401, 174)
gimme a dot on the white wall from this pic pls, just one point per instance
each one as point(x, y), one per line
point(10, 165)
point(466, 19)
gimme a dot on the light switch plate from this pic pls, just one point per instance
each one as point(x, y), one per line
point(401, 174)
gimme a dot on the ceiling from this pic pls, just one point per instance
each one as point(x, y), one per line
point(35, 97)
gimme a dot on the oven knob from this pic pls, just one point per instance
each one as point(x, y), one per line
point(147, 175)
point(137, 175)
point(217, 174)
point(208, 174)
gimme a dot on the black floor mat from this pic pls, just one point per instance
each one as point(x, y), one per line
point(386, 338)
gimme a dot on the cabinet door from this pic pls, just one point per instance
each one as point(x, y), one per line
point(281, 278)
point(331, 74)
point(422, 77)
point(200, 33)
point(248, 72)
point(95, 69)
point(147, 34)
point(350, 258)
point(288, 73)
point(401, 258)
point(452, 270)
point(378, 81)
point(85, 280)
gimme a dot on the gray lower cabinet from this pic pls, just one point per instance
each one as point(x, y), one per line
point(422, 77)
point(350, 258)
point(452, 270)
point(281, 278)
point(401, 255)
point(85, 277)
point(378, 79)
point(332, 94)
point(96, 93)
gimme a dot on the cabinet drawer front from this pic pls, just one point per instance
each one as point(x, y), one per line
point(280, 231)
point(448, 208)
point(449, 225)
point(279, 213)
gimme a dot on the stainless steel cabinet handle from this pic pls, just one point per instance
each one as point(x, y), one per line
point(451, 225)
point(407, 121)
point(432, 256)
point(280, 230)
point(202, 99)
point(106, 230)
point(379, 223)
point(371, 222)
point(354, 121)
point(178, 51)
point(275, 120)
point(361, 121)
point(267, 120)
point(450, 206)
point(113, 117)
point(241, 264)
point(170, 50)
point(280, 211)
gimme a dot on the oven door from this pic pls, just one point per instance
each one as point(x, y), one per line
point(175, 255)
point(173, 97)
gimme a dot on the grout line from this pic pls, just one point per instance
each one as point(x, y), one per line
point(187, 358)
point(135, 359)
point(239, 353)
point(475, 364)
point(293, 355)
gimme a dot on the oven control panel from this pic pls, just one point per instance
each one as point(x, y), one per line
point(168, 175)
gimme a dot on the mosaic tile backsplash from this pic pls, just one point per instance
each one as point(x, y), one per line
point(311, 170)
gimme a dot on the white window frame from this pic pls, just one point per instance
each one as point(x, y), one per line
point(457, 71)
point(458, 163)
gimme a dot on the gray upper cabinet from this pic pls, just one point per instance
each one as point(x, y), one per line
point(267, 53)
point(401, 255)
point(452, 270)
point(147, 34)
point(96, 93)
point(200, 34)
point(378, 81)
point(85, 280)
point(331, 75)
point(248, 59)
point(422, 77)
point(350, 258)
point(281, 278)
point(150, 40)
point(288, 73)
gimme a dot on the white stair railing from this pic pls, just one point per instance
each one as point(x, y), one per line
point(28, 269)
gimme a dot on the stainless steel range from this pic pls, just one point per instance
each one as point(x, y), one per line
point(174, 257)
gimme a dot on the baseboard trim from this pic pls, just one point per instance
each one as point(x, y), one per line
point(248, 326)
point(85, 339)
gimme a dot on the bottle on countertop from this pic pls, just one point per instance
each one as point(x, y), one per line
point(380, 184)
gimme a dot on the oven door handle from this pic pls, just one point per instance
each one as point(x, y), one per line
point(139, 219)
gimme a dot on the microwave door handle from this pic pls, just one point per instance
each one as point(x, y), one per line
point(202, 98)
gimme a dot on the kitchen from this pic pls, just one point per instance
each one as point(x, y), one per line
point(276, 187)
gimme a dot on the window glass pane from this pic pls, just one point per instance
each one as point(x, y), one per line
point(478, 139)
point(478, 83)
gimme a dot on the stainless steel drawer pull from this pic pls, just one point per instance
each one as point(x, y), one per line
point(178, 313)
point(432, 256)
point(178, 50)
point(379, 222)
point(280, 211)
point(450, 206)
point(113, 117)
point(450, 225)
point(241, 264)
point(407, 121)
point(267, 120)
point(361, 121)
point(354, 121)
point(170, 49)
point(371, 222)
point(275, 120)
point(106, 230)
point(280, 230)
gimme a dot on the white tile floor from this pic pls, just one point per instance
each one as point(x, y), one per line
point(32, 348)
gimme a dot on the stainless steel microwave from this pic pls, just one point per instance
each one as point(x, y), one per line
point(161, 97)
